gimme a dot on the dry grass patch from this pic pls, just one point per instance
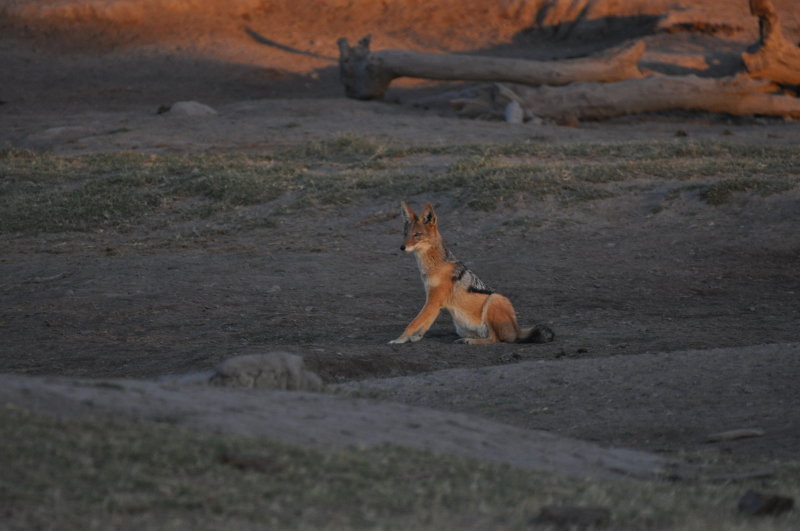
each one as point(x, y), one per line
point(98, 474)
point(42, 192)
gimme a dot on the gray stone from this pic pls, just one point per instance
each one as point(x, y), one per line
point(275, 370)
point(191, 108)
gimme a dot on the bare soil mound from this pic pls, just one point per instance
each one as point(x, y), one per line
point(329, 422)
point(638, 401)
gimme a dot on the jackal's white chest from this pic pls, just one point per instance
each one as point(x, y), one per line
point(428, 280)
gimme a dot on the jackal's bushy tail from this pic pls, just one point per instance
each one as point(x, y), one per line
point(536, 334)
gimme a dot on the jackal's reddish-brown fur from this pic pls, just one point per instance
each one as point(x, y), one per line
point(480, 315)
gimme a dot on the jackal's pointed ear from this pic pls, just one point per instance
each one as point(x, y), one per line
point(428, 216)
point(408, 214)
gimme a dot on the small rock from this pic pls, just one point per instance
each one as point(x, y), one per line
point(276, 370)
point(58, 135)
point(759, 504)
point(532, 119)
point(574, 517)
point(732, 435)
point(190, 108)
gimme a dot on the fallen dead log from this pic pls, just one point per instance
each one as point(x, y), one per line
point(776, 59)
point(713, 18)
point(737, 95)
point(367, 75)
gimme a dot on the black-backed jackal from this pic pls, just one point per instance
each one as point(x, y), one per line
point(481, 316)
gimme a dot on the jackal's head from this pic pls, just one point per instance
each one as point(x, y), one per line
point(420, 232)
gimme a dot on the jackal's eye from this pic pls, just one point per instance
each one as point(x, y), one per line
point(417, 235)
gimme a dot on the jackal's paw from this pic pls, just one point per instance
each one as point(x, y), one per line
point(464, 341)
point(405, 339)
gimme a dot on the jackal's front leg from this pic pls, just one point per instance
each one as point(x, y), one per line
point(421, 323)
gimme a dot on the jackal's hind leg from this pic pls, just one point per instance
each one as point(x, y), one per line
point(501, 322)
point(501, 318)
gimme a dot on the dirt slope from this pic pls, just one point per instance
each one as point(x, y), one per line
point(329, 422)
point(641, 401)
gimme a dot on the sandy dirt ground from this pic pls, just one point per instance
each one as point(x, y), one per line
point(669, 327)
